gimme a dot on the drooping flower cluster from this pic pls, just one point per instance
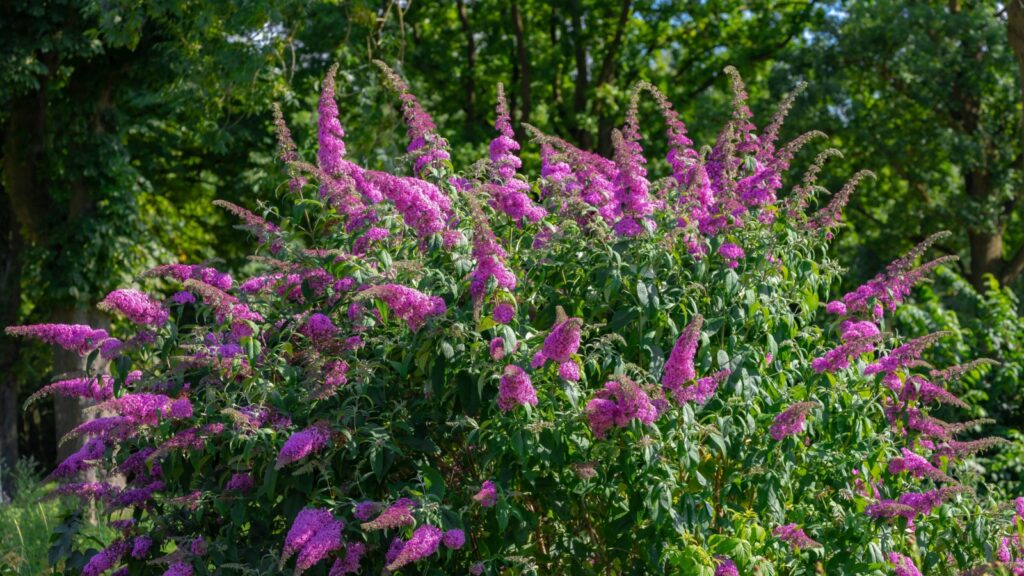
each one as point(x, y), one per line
point(422, 543)
point(398, 514)
point(136, 306)
point(911, 504)
point(563, 341)
point(314, 534)
point(106, 559)
point(617, 404)
point(97, 388)
point(487, 496)
point(791, 420)
point(903, 565)
point(74, 337)
point(423, 207)
point(679, 369)
point(490, 263)
point(183, 272)
point(793, 535)
point(350, 564)
point(515, 389)
point(302, 444)
point(917, 466)
point(858, 338)
point(892, 286)
point(408, 304)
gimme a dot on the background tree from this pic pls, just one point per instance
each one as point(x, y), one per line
point(928, 95)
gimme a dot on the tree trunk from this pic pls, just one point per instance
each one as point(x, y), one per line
point(1015, 31)
point(10, 299)
point(522, 54)
point(986, 243)
point(24, 208)
point(24, 148)
point(606, 124)
point(579, 102)
point(469, 81)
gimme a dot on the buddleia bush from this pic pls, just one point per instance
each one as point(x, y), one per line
point(586, 372)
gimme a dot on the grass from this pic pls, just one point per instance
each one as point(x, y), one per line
point(26, 523)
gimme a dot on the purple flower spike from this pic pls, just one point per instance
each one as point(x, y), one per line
point(515, 389)
point(136, 306)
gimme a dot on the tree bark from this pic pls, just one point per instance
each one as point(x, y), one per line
point(1015, 31)
point(523, 56)
point(24, 148)
point(10, 298)
point(24, 208)
point(986, 244)
point(579, 100)
point(608, 65)
point(469, 80)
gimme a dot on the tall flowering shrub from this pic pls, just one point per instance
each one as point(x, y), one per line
point(588, 372)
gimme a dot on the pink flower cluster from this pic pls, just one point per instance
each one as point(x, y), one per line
point(791, 420)
point(726, 567)
point(631, 202)
point(618, 403)
point(890, 287)
point(240, 482)
point(427, 148)
point(319, 328)
point(106, 559)
point(487, 496)
point(302, 444)
point(330, 134)
point(74, 337)
point(409, 304)
point(398, 514)
point(509, 194)
point(902, 565)
point(795, 537)
point(136, 306)
point(423, 207)
point(490, 263)
point(354, 552)
point(563, 341)
point(97, 388)
point(183, 272)
point(917, 466)
point(911, 504)
point(89, 453)
point(314, 534)
point(515, 389)
point(679, 368)
point(422, 543)
point(732, 254)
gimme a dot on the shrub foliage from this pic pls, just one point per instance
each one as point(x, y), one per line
point(588, 372)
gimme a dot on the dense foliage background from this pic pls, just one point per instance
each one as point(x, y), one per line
point(122, 121)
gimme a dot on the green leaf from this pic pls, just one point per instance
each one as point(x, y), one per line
point(641, 294)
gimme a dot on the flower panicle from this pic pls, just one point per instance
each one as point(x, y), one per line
point(831, 214)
